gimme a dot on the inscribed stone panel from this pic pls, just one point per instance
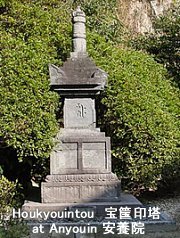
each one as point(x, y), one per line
point(64, 158)
point(94, 155)
point(79, 113)
point(61, 193)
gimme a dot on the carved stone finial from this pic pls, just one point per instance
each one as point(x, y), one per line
point(79, 31)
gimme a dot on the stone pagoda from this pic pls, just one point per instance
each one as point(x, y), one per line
point(80, 163)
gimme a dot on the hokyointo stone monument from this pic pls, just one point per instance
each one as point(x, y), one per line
point(80, 163)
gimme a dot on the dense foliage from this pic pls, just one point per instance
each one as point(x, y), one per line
point(15, 229)
point(164, 43)
point(27, 118)
point(9, 227)
point(8, 191)
point(140, 106)
point(142, 116)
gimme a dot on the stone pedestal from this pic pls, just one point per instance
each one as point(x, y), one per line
point(80, 163)
point(81, 188)
point(80, 168)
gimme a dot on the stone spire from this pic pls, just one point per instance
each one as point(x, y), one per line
point(79, 76)
point(79, 31)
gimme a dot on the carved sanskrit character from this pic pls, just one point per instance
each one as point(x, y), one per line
point(81, 110)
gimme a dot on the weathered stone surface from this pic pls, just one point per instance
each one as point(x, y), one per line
point(81, 73)
point(64, 159)
point(79, 113)
point(99, 207)
point(85, 132)
point(78, 192)
point(81, 188)
point(79, 31)
point(82, 178)
point(81, 153)
point(85, 235)
point(57, 235)
point(94, 155)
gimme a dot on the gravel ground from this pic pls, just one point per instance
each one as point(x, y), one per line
point(169, 205)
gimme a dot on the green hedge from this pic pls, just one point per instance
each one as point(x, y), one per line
point(8, 191)
point(142, 116)
point(10, 198)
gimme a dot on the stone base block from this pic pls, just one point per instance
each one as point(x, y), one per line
point(80, 188)
point(98, 207)
point(164, 224)
point(164, 228)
